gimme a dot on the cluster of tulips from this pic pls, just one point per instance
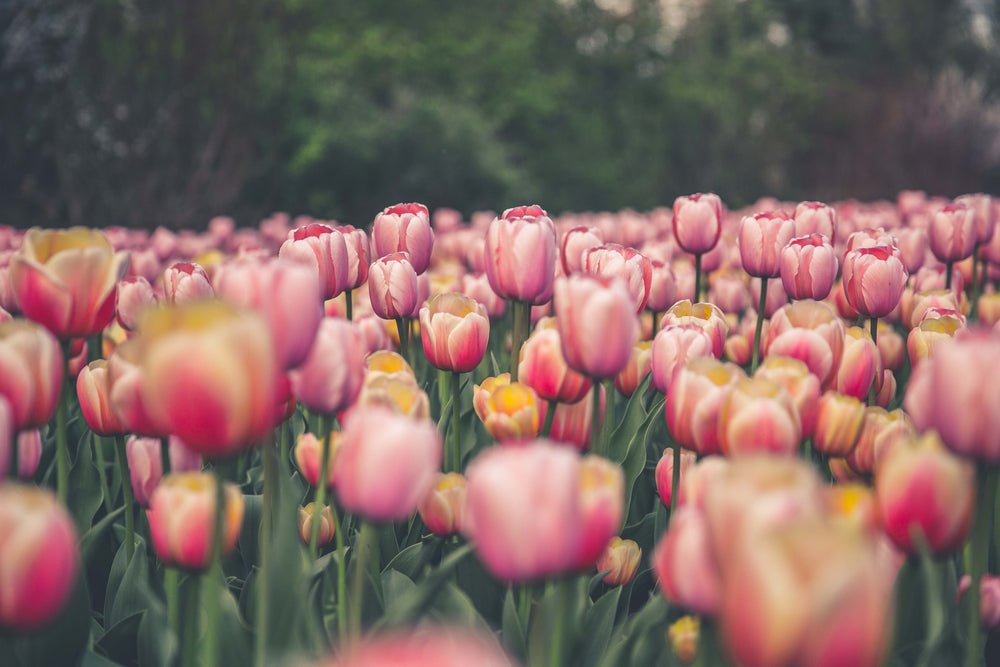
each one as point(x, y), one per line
point(514, 439)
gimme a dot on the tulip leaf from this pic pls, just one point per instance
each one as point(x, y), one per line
point(156, 645)
point(598, 624)
point(120, 641)
point(90, 539)
point(91, 659)
point(412, 560)
point(395, 586)
point(414, 603)
point(454, 606)
point(84, 487)
point(513, 632)
point(133, 594)
point(634, 460)
point(249, 539)
point(635, 415)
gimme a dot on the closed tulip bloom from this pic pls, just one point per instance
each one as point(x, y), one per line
point(813, 217)
point(860, 365)
point(986, 213)
point(324, 251)
point(685, 565)
point(145, 464)
point(621, 561)
point(330, 378)
point(952, 232)
point(182, 519)
point(455, 330)
point(478, 287)
point(65, 280)
point(571, 424)
point(134, 294)
point(838, 300)
point(598, 325)
point(510, 412)
point(924, 489)
point(520, 255)
point(285, 294)
point(729, 292)
point(359, 255)
point(762, 238)
point(912, 243)
point(404, 228)
point(385, 464)
point(697, 222)
point(639, 366)
point(758, 415)
point(838, 424)
point(392, 286)
point(425, 647)
point(925, 300)
point(184, 282)
point(662, 286)
point(93, 389)
point(39, 557)
point(308, 453)
point(208, 375)
point(31, 372)
point(397, 392)
point(544, 369)
point(954, 392)
point(989, 599)
point(575, 243)
point(673, 346)
point(443, 509)
point(327, 527)
point(874, 279)
point(694, 402)
point(924, 338)
point(870, 237)
point(801, 385)
point(664, 475)
point(602, 507)
point(613, 260)
point(880, 431)
point(523, 510)
point(706, 315)
point(811, 332)
point(808, 267)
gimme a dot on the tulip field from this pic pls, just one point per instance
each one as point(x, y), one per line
point(765, 437)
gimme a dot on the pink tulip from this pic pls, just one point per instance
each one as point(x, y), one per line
point(662, 286)
point(706, 315)
point(613, 260)
point(924, 338)
point(509, 411)
point(324, 251)
point(685, 565)
point(133, 295)
point(392, 286)
point(639, 366)
point(673, 346)
point(665, 471)
point(870, 238)
point(327, 527)
point(880, 432)
point(860, 365)
point(182, 519)
point(989, 599)
point(443, 509)
point(912, 243)
point(762, 238)
point(952, 233)
point(308, 453)
point(758, 415)
point(31, 372)
point(426, 647)
point(697, 222)
point(694, 401)
point(520, 255)
point(801, 385)
point(621, 560)
point(184, 282)
point(145, 464)
point(575, 244)
point(598, 325)
point(808, 267)
point(404, 228)
point(543, 368)
point(478, 288)
point(93, 389)
point(359, 255)
point(602, 508)
point(983, 205)
point(330, 378)
point(455, 330)
point(572, 422)
point(385, 464)
point(811, 332)
point(813, 217)
point(125, 377)
point(39, 557)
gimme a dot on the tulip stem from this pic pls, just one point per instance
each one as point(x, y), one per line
point(403, 329)
point(610, 394)
point(550, 417)
point(656, 323)
point(524, 604)
point(349, 304)
point(517, 338)
point(210, 653)
point(286, 428)
point(595, 417)
point(62, 449)
point(561, 591)
point(947, 275)
point(361, 559)
point(13, 471)
point(872, 394)
point(675, 481)
point(171, 586)
point(455, 464)
point(102, 473)
point(266, 522)
point(189, 634)
point(338, 533)
point(761, 305)
point(697, 278)
point(127, 496)
point(165, 455)
point(324, 432)
point(979, 541)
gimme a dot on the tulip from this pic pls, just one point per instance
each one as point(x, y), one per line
point(673, 346)
point(398, 392)
point(697, 226)
point(880, 431)
point(208, 374)
point(586, 306)
point(758, 415)
point(385, 464)
point(39, 557)
point(308, 455)
point(923, 489)
point(621, 561)
point(926, 300)
point(912, 244)
point(873, 280)
point(358, 256)
point(510, 412)
point(132, 296)
point(145, 464)
point(662, 287)
point(478, 287)
point(330, 378)
point(685, 565)
point(125, 377)
point(989, 599)
point(664, 475)
point(803, 387)
point(694, 401)
point(988, 307)
point(737, 350)
point(392, 286)
point(762, 238)
point(182, 519)
point(65, 280)
point(706, 315)
point(838, 424)
point(184, 282)
point(572, 422)
point(602, 508)
point(404, 228)
point(639, 366)
point(952, 233)
point(455, 331)
point(443, 509)
point(520, 255)
point(327, 526)
point(543, 368)
point(324, 251)
point(31, 372)
point(613, 260)
point(870, 237)
point(426, 647)
point(93, 390)
point(808, 267)
point(811, 332)
point(813, 217)
point(891, 347)
point(683, 635)
point(931, 332)
point(860, 365)
point(574, 245)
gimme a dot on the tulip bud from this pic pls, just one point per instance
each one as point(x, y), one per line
point(683, 635)
point(443, 509)
point(586, 307)
point(184, 282)
point(324, 251)
point(327, 527)
point(912, 244)
point(575, 243)
point(860, 365)
point(808, 267)
point(520, 255)
point(544, 369)
point(392, 286)
point(359, 256)
point(662, 286)
point(404, 228)
point(613, 260)
point(697, 222)
point(455, 330)
point(93, 390)
point(813, 217)
point(621, 559)
point(134, 293)
point(952, 232)
point(874, 279)
point(762, 238)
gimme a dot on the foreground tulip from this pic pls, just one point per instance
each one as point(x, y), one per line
point(208, 375)
point(586, 307)
point(39, 557)
point(425, 647)
point(182, 519)
point(65, 280)
point(392, 286)
point(455, 330)
point(685, 563)
point(330, 378)
point(621, 560)
point(808, 267)
point(31, 372)
point(543, 368)
point(404, 228)
point(385, 464)
point(520, 255)
point(923, 489)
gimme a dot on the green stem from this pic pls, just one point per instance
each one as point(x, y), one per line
point(165, 455)
point(610, 394)
point(338, 532)
point(947, 275)
point(550, 417)
point(102, 472)
point(807, 450)
point(62, 448)
point(517, 338)
point(210, 653)
point(762, 304)
point(361, 558)
point(656, 322)
point(324, 430)
point(349, 304)
point(697, 278)
point(266, 522)
point(171, 586)
point(524, 604)
point(286, 437)
point(127, 495)
point(932, 600)
point(403, 329)
point(979, 543)
point(189, 635)
point(95, 347)
point(455, 464)
point(595, 417)
point(558, 623)
point(444, 378)
point(12, 472)
point(872, 393)
point(675, 481)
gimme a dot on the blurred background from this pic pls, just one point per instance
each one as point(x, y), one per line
point(146, 113)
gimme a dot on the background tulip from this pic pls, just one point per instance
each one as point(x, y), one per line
point(404, 228)
point(133, 294)
point(697, 222)
point(672, 347)
point(330, 378)
point(598, 325)
point(873, 280)
point(324, 251)
point(307, 515)
point(813, 217)
point(762, 238)
point(93, 389)
point(31, 372)
point(392, 286)
point(544, 368)
point(621, 559)
point(184, 282)
point(455, 330)
point(574, 245)
point(808, 267)
point(520, 255)
point(443, 509)
point(626, 263)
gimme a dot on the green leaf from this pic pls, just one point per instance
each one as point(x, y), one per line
point(89, 541)
point(598, 623)
point(513, 632)
point(413, 604)
point(157, 646)
point(395, 586)
point(120, 641)
point(635, 458)
point(412, 560)
point(133, 594)
point(635, 415)
point(84, 487)
point(91, 659)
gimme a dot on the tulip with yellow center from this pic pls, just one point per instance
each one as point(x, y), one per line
point(510, 412)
